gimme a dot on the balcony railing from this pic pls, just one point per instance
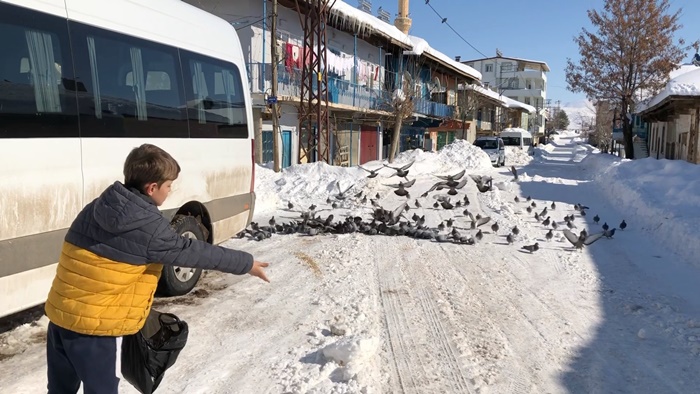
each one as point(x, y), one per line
point(340, 91)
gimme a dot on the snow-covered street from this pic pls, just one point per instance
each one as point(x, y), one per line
point(353, 313)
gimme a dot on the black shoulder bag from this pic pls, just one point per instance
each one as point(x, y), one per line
point(148, 353)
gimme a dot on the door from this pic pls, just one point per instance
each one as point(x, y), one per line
point(450, 137)
point(441, 139)
point(368, 144)
point(286, 148)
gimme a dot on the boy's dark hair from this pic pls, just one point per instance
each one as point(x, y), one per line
point(148, 164)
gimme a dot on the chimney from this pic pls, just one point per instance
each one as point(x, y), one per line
point(458, 58)
point(403, 22)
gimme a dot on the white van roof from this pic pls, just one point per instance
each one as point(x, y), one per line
point(516, 132)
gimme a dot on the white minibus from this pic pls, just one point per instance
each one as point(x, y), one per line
point(517, 137)
point(82, 82)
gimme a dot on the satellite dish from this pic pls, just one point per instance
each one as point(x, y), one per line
point(436, 84)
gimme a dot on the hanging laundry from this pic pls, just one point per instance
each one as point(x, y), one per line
point(289, 57)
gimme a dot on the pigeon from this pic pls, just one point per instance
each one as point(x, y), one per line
point(328, 200)
point(515, 230)
point(623, 225)
point(342, 194)
point(583, 233)
point(516, 199)
point(528, 209)
point(358, 195)
point(446, 204)
point(401, 188)
point(483, 183)
point(374, 202)
point(532, 248)
point(377, 196)
point(583, 212)
point(553, 206)
point(494, 227)
point(549, 235)
point(272, 221)
point(451, 178)
point(372, 173)
point(466, 201)
point(290, 205)
point(609, 233)
point(509, 239)
point(605, 226)
point(334, 205)
point(554, 224)
point(436, 204)
point(364, 200)
point(453, 186)
point(401, 172)
point(578, 241)
point(529, 198)
point(312, 207)
point(514, 172)
point(449, 222)
point(534, 204)
point(479, 235)
point(478, 221)
point(570, 224)
point(546, 221)
point(441, 226)
point(417, 204)
point(596, 219)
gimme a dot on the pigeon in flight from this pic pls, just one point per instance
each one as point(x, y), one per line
point(401, 172)
point(452, 178)
point(580, 241)
point(342, 194)
point(483, 183)
point(372, 173)
point(401, 188)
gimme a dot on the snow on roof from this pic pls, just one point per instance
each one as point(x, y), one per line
point(519, 59)
point(359, 20)
point(684, 84)
point(516, 131)
point(684, 68)
point(510, 103)
point(421, 46)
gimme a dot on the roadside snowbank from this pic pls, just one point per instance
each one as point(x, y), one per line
point(659, 196)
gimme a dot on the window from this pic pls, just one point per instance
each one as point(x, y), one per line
point(132, 87)
point(489, 68)
point(215, 100)
point(36, 76)
point(527, 100)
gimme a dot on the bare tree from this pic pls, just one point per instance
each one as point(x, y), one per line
point(401, 107)
point(631, 49)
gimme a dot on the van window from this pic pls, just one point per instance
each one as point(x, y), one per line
point(36, 76)
point(486, 144)
point(132, 86)
point(215, 98)
point(511, 141)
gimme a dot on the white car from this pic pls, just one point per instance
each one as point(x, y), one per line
point(494, 147)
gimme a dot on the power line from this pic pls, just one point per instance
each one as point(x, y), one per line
point(444, 20)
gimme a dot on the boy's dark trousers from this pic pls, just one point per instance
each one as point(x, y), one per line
point(72, 358)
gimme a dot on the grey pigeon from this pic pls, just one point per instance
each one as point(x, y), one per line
point(372, 173)
point(509, 239)
point(446, 204)
point(452, 177)
point(479, 235)
point(609, 233)
point(553, 206)
point(578, 241)
point(401, 172)
point(549, 235)
point(596, 219)
point(290, 205)
point(417, 204)
point(514, 172)
point(494, 227)
point(623, 225)
point(532, 248)
point(546, 221)
point(342, 194)
point(529, 198)
point(605, 226)
point(516, 199)
point(515, 230)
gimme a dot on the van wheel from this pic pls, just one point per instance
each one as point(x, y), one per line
point(176, 281)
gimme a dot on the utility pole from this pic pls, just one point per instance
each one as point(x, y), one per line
point(273, 99)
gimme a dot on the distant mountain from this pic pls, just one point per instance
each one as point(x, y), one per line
point(580, 114)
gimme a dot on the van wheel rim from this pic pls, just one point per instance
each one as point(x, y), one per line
point(184, 274)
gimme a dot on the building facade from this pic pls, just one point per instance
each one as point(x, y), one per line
point(521, 80)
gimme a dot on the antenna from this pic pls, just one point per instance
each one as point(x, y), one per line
point(383, 15)
point(365, 5)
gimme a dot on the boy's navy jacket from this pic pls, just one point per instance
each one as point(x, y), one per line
point(109, 267)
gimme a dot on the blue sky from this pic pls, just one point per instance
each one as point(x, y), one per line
point(532, 29)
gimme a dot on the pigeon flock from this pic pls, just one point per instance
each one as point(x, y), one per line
point(397, 221)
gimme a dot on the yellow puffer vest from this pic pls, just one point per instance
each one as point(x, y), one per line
point(96, 296)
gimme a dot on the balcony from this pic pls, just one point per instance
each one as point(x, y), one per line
point(340, 91)
point(538, 93)
point(532, 74)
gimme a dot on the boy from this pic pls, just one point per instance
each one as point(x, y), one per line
point(109, 268)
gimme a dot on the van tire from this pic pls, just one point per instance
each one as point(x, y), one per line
point(177, 281)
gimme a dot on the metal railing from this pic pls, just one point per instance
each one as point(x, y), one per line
point(340, 91)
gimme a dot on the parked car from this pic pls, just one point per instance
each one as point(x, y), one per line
point(494, 147)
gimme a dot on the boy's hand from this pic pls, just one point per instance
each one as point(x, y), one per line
point(258, 271)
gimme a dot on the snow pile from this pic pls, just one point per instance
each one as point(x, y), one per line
point(517, 156)
point(18, 340)
point(659, 196)
point(457, 155)
point(352, 353)
point(420, 46)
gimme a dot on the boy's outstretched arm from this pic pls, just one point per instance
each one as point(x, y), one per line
point(167, 247)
